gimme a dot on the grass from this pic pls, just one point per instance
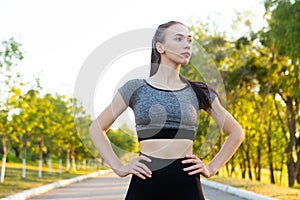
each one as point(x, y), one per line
point(14, 183)
point(279, 192)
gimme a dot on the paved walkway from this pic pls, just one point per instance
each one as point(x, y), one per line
point(111, 187)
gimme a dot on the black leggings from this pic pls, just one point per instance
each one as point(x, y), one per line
point(168, 181)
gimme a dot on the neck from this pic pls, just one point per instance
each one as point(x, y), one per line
point(167, 74)
point(167, 71)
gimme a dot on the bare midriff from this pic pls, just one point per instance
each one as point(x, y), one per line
point(166, 148)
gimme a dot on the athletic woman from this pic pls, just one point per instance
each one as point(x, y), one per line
point(165, 106)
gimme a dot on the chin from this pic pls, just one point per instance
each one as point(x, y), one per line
point(185, 62)
point(182, 61)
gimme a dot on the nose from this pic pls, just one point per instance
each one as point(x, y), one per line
point(187, 44)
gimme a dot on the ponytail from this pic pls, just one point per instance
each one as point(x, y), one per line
point(202, 91)
point(155, 59)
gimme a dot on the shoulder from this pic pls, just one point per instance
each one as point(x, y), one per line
point(128, 88)
point(133, 83)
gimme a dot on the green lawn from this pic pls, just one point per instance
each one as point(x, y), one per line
point(279, 192)
point(14, 183)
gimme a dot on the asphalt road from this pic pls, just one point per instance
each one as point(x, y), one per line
point(111, 187)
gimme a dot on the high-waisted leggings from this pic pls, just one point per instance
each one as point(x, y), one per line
point(168, 181)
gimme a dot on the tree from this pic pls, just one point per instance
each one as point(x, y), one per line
point(23, 123)
point(123, 141)
point(282, 37)
point(250, 76)
point(10, 55)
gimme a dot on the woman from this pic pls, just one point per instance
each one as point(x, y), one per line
point(165, 107)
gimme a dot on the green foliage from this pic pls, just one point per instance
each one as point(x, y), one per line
point(262, 92)
point(284, 27)
point(32, 125)
point(283, 42)
point(50, 119)
point(10, 53)
point(123, 140)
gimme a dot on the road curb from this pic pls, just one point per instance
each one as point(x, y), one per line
point(235, 191)
point(26, 194)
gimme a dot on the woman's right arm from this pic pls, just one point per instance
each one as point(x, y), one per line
point(98, 135)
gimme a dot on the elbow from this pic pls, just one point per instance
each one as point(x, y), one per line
point(91, 129)
point(240, 135)
point(237, 135)
point(95, 128)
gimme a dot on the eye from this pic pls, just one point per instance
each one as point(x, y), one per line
point(190, 40)
point(178, 39)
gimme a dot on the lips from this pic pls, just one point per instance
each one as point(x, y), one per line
point(186, 54)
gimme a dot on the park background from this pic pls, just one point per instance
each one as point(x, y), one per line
point(255, 46)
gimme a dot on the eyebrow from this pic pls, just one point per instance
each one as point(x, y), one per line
point(181, 35)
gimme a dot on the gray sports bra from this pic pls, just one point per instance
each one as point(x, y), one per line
point(160, 113)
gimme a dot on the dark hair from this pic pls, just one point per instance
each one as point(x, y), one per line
point(201, 89)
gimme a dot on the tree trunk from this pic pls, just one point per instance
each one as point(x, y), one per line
point(243, 168)
point(289, 149)
point(49, 160)
point(60, 166)
point(298, 167)
point(259, 129)
point(298, 176)
point(40, 174)
point(41, 158)
point(68, 161)
point(49, 166)
point(3, 158)
point(291, 172)
point(24, 155)
point(232, 168)
point(227, 169)
point(249, 163)
point(249, 169)
point(23, 168)
point(59, 162)
point(270, 152)
point(283, 127)
point(73, 164)
point(73, 159)
point(282, 163)
point(258, 174)
point(243, 162)
point(16, 149)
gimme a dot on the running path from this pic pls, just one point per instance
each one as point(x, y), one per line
point(111, 187)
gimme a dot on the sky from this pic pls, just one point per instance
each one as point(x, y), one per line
point(57, 36)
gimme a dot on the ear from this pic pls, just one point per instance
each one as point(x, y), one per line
point(160, 47)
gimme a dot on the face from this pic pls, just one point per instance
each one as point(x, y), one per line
point(176, 47)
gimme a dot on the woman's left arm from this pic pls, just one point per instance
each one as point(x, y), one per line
point(235, 137)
